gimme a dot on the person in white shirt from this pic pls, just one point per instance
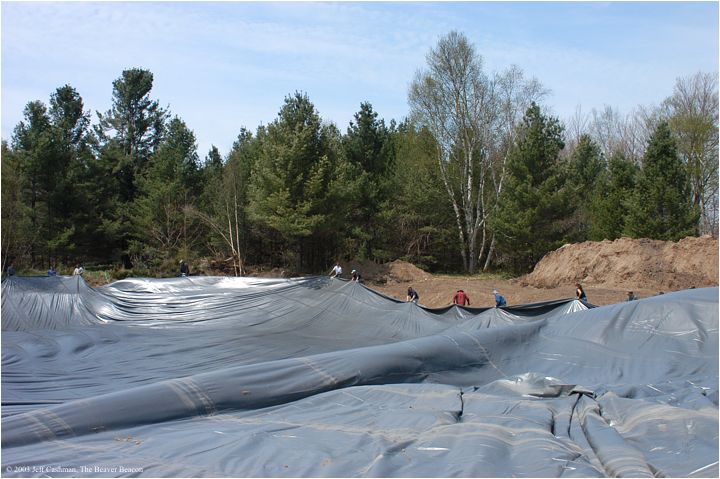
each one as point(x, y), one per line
point(336, 271)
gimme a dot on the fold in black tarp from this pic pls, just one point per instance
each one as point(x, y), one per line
point(313, 377)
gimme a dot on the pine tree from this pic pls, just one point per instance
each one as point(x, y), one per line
point(126, 136)
point(295, 188)
point(162, 229)
point(609, 208)
point(32, 144)
point(71, 220)
point(535, 204)
point(52, 161)
point(367, 147)
point(586, 167)
point(133, 128)
point(661, 206)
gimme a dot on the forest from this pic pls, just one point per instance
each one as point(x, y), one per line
point(479, 176)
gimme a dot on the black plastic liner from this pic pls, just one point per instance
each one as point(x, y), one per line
point(313, 377)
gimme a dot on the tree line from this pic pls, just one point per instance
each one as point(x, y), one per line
point(479, 176)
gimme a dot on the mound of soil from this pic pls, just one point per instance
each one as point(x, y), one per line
point(402, 272)
point(388, 273)
point(607, 270)
point(630, 264)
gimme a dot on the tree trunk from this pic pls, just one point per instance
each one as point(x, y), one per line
point(490, 252)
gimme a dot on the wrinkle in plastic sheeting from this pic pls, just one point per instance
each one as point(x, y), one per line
point(313, 377)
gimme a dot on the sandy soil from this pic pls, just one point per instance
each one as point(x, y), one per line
point(438, 292)
point(607, 270)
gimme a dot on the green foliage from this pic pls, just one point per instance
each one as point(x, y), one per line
point(32, 142)
point(16, 215)
point(130, 191)
point(69, 200)
point(586, 169)
point(609, 207)
point(51, 149)
point(417, 220)
point(296, 182)
point(368, 149)
point(162, 229)
point(661, 205)
point(136, 121)
point(131, 130)
point(535, 203)
point(126, 137)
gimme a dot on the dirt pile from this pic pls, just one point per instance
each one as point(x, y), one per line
point(402, 272)
point(631, 264)
point(387, 273)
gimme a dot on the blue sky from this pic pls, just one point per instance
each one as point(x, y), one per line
point(225, 65)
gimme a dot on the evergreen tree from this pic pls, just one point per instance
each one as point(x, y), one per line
point(586, 167)
point(70, 221)
point(367, 147)
point(137, 122)
point(32, 144)
point(213, 160)
point(162, 229)
point(535, 204)
point(294, 189)
point(661, 206)
point(17, 230)
point(417, 220)
point(51, 156)
point(609, 209)
point(126, 136)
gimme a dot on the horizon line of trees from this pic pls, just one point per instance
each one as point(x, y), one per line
point(478, 177)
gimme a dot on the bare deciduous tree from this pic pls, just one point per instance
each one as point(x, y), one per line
point(692, 113)
point(472, 117)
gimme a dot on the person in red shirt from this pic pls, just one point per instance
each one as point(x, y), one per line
point(461, 298)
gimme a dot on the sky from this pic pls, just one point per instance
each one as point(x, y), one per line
point(222, 66)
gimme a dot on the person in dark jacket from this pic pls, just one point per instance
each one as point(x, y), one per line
point(412, 295)
point(580, 292)
point(184, 268)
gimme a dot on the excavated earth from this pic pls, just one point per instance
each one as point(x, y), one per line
point(606, 269)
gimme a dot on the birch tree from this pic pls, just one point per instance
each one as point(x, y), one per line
point(692, 113)
point(472, 116)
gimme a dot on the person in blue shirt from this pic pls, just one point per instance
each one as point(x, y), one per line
point(499, 299)
point(51, 271)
